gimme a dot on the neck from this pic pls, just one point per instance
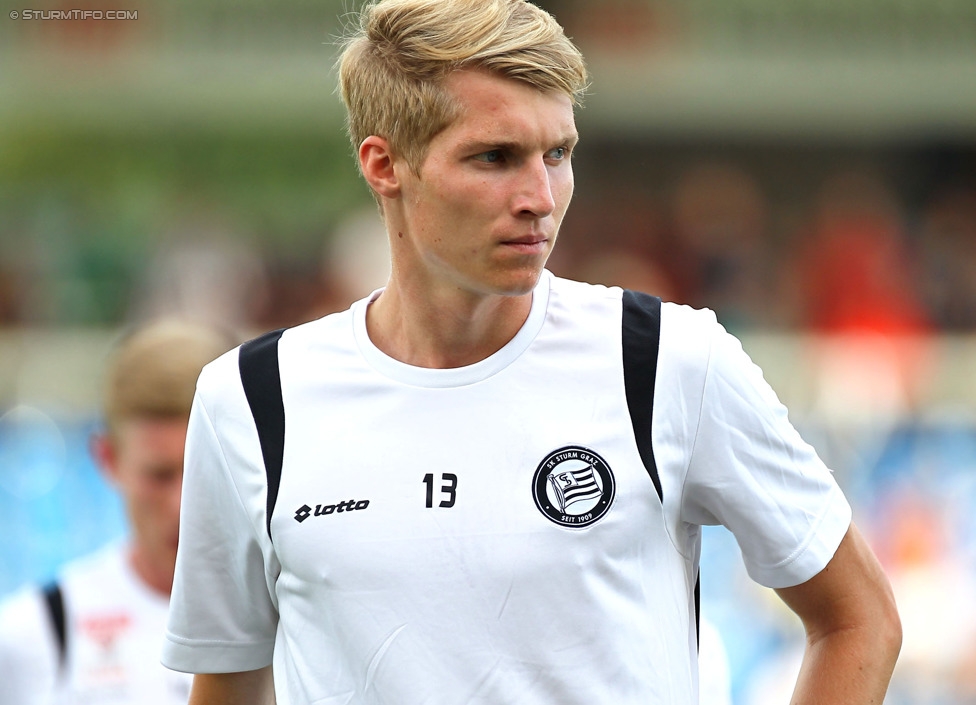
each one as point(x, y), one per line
point(158, 578)
point(451, 330)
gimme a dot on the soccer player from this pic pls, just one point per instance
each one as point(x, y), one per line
point(484, 483)
point(93, 636)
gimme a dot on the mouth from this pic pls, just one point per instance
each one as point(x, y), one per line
point(527, 244)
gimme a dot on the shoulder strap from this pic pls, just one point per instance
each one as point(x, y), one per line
point(54, 600)
point(258, 362)
point(641, 331)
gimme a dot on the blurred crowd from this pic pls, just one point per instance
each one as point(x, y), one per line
point(854, 258)
point(857, 256)
point(860, 260)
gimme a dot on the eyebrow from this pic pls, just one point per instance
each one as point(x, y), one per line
point(481, 145)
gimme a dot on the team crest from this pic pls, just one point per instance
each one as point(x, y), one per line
point(573, 487)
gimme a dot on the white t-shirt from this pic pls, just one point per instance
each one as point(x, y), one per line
point(114, 625)
point(487, 534)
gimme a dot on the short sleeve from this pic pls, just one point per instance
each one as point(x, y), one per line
point(752, 472)
point(222, 615)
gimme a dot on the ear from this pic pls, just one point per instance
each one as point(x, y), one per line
point(376, 161)
point(105, 454)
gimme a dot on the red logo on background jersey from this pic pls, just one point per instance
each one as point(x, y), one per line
point(106, 628)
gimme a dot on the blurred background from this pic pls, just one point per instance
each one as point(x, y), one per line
point(807, 169)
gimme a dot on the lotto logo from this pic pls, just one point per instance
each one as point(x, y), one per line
point(305, 511)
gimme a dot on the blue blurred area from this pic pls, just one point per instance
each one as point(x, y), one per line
point(915, 499)
point(54, 503)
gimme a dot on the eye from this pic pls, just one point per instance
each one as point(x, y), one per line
point(493, 156)
point(557, 154)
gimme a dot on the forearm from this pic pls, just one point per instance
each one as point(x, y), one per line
point(848, 667)
point(852, 626)
point(246, 688)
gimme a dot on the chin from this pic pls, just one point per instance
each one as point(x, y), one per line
point(514, 290)
point(519, 283)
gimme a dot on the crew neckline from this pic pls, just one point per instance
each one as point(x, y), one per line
point(454, 376)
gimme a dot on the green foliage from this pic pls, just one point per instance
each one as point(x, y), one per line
point(83, 208)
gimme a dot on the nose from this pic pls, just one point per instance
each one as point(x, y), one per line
point(535, 194)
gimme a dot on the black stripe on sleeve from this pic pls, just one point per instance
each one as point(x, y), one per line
point(641, 331)
point(258, 361)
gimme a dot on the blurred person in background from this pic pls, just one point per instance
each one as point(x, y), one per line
point(923, 548)
point(93, 635)
point(948, 251)
point(356, 259)
point(509, 471)
point(207, 272)
point(855, 271)
point(858, 284)
point(719, 218)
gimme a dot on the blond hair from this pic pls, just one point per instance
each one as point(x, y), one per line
point(153, 370)
point(391, 70)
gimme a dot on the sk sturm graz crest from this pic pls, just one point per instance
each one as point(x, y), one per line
point(573, 487)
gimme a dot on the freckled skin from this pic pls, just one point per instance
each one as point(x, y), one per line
point(476, 225)
point(502, 171)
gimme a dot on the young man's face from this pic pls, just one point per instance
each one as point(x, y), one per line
point(144, 460)
point(484, 212)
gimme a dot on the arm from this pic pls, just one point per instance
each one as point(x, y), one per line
point(244, 688)
point(222, 618)
point(852, 627)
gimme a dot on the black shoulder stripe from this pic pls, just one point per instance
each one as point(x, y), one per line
point(258, 362)
point(55, 607)
point(698, 608)
point(641, 331)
